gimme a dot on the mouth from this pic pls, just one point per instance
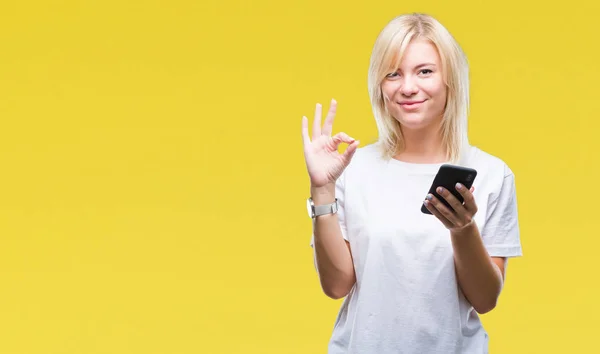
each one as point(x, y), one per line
point(411, 104)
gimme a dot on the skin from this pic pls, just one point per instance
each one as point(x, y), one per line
point(418, 79)
point(480, 276)
point(415, 96)
point(332, 254)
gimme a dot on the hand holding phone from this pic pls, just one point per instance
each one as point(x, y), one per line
point(447, 177)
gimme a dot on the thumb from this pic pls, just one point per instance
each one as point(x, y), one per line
point(342, 138)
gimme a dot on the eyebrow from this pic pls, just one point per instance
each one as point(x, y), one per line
point(424, 64)
point(420, 66)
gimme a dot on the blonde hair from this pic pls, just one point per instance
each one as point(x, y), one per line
point(387, 54)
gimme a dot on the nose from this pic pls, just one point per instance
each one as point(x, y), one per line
point(408, 86)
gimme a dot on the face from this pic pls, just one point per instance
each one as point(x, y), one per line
point(416, 93)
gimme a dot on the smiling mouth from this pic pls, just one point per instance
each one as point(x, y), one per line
point(410, 104)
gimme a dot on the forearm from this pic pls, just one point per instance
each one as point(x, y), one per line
point(479, 278)
point(332, 254)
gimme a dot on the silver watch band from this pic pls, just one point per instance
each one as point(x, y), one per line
point(326, 209)
point(318, 210)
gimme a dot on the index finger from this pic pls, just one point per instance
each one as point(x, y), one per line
point(469, 200)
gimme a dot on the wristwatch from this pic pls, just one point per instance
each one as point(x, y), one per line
point(317, 210)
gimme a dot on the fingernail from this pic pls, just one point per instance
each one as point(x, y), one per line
point(440, 190)
point(429, 196)
point(459, 186)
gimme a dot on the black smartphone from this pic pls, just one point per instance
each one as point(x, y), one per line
point(447, 177)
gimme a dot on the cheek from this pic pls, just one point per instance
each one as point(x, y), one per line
point(387, 90)
point(437, 92)
point(434, 88)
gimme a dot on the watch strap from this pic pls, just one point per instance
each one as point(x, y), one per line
point(326, 208)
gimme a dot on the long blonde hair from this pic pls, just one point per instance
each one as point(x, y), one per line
point(387, 54)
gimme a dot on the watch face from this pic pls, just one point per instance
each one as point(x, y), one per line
point(309, 208)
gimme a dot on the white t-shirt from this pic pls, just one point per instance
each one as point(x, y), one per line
point(406, 298)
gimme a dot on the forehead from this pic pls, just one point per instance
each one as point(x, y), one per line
point(419, 51)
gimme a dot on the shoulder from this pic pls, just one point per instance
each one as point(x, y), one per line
point(493, 173)
point(366, 159)
point(488, 164)
point(367, 155)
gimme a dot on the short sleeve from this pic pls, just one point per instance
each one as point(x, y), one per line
point(340, 195)
point(501, 234)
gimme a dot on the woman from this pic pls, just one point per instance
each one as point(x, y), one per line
point(412, 282)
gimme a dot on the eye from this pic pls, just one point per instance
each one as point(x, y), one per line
point(394, 74)
point(426, 71)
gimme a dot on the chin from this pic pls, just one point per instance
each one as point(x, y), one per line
point(413, 122)
point(416, 120)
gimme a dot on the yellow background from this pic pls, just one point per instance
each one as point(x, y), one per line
point(152, 194)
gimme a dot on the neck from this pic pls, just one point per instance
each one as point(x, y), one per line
point(422, 146)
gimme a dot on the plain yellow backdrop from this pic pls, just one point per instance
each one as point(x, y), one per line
point(152, 194)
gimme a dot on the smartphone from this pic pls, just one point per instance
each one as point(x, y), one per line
point(447, 177)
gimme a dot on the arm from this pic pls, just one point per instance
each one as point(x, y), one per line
point(332, 254)
point(325, 165)
point(480, 276)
